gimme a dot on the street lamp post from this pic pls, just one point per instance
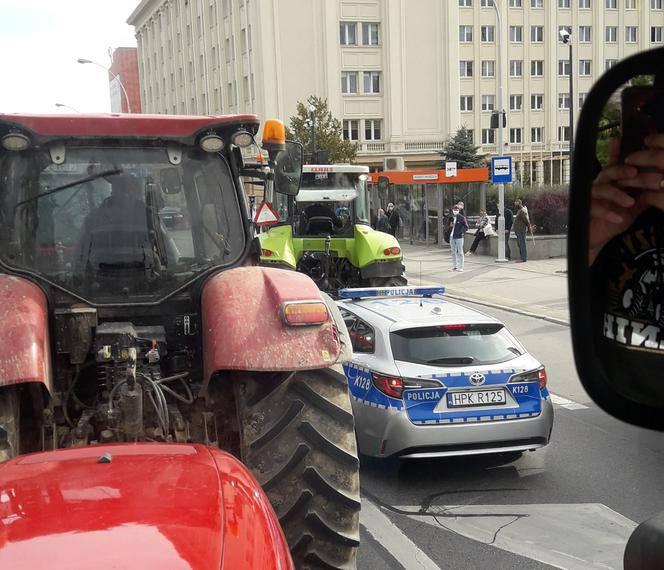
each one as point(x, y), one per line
point(501, 187)
point(566, 37)
point(82, 60)
point(67, 107)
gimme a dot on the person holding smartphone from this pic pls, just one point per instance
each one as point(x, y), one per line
point(459, 228)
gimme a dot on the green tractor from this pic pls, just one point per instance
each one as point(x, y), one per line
point(324, 231)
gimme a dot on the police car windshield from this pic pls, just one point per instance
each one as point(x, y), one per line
point(454, 345)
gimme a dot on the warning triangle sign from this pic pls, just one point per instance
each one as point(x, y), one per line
point(266, 215)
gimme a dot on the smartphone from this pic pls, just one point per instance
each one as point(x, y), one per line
point(642, 114)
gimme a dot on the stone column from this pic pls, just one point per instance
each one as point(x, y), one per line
point(540, 172)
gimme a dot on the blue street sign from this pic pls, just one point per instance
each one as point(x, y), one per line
point(501, 169)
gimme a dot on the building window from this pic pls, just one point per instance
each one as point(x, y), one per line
point(611, 34)
point(370, 34)
point(631, 4)
point(488, 102)
point(516, 68)
point(537, 102)
point(536, 34)
point(515, 4)
point(585, 34)
point(630, 34)
point(584, 67)
point(486, 3)
point(488, 68)
point(465, 34)
point(471, 135)
point(516, 34)
point(537, 3)
point(536, 134)
point(609, 63)
point(537, 68)
point(611, 4)
point(487, 34)
point(372, 129)
point(348, 33)
point(563, 100)
point(466, 103)
point(563, 67)
point(656, 34)
point(371, 82)
point(563, 3)
point(563, 134)
point(516, 102)
point(515, 136)
point(466, 68)
point(584, 4)
point(352, 130)
point(488, 136)
point(465, 3)
point(656, 4)
point(349, 82)
point(582, 99)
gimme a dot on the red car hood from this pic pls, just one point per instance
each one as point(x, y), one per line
point(165, 506)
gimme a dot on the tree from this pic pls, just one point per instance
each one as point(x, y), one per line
point(329, 133)
point(609, 128)
point(460, 149)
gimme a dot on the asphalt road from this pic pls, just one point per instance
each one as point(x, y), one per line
point(570, 505)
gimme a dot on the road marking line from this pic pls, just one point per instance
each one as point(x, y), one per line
point(567, 404)
point(385, 532)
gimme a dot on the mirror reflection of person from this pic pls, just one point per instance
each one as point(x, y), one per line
point(622, 192)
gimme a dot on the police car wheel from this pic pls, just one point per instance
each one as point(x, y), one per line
point(10, 411)
point(297, 437)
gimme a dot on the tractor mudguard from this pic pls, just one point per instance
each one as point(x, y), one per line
point(24, 339)
point(370, 247)
point(278, 244)
point(243, 328)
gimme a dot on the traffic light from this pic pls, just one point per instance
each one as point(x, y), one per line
point(495, 119)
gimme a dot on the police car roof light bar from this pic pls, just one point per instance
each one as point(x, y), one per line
point(363, 293)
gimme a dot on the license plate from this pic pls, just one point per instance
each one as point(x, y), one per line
point(473, 398)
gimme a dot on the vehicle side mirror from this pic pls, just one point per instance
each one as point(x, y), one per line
point(383, 183)
point(288, 169)
point(616, 241)
point(170, 181)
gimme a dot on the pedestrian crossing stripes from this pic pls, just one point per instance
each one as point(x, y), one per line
point(567, 404)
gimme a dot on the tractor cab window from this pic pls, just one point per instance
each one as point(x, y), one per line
point(118, 224)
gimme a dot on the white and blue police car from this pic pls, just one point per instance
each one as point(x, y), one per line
point(431, 378)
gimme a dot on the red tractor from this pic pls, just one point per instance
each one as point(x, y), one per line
point(120, 326)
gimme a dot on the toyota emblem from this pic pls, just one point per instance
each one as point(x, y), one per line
point(477, 379)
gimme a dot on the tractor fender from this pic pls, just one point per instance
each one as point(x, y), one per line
point(243, 327)
point(25, 353)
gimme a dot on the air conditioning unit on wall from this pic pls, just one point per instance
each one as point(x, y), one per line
point(394, 163)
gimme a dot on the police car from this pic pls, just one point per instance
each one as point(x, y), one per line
point(431, 378)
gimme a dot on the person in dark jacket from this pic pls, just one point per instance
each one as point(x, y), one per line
point(521, 226)
point(459, 228)
point(393, 218)
point(509, 221)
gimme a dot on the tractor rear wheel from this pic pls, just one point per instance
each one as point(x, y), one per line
point(297, 437)
point(394, 281)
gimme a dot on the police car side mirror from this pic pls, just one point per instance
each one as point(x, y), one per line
point(616, 241)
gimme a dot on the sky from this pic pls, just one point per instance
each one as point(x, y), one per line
point(40, 41)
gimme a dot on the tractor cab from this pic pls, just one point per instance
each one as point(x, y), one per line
point(325, 232)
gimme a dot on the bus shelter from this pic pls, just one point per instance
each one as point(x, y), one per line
point(424, 197)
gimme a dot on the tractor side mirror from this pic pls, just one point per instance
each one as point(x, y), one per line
point(616, 241)
point(288, 169)
point(170, 181)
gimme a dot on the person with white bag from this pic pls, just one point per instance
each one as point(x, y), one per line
point(483, 229)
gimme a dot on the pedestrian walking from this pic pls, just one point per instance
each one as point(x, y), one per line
point(481, 231)
point(459, 228)
point(393, 218)
point(382, 223)
point(521, 226)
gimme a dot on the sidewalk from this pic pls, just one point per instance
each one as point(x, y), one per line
point(536, 288)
